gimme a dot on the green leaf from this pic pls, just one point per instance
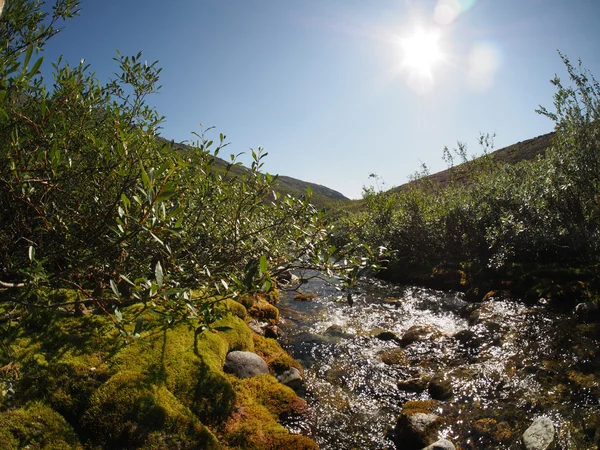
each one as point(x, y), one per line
point(115, 288)
point(31, 253)
point(308, 191)
point(118, 315)
point(158, 272)
point(263, 264)
point(167, 191)
point(224, 283)
point(35, 67)
point(27, 58)
point(127, 280)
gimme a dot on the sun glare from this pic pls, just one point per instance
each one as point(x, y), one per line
point(421, 51)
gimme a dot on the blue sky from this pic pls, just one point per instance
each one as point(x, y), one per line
point(320, 83)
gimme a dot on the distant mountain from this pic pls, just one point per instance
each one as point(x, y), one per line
point(321, 195)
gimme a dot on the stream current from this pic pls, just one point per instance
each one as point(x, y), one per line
point(503, 364)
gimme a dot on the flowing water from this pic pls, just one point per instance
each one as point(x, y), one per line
point(507, 363)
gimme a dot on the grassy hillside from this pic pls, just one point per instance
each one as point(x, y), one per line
point(321, 195)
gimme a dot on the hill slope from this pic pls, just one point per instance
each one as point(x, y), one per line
point(322, 195)
point(521, 151)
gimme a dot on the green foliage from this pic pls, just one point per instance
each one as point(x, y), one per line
point(491, 214)
point(92, 199)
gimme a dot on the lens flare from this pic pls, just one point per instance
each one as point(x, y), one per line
point(421, 51)
point(484, 62)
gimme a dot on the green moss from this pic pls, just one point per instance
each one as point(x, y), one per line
point(275, 356)
point(36, 427)
point(266, 391)
point(254, 425)
point(166, 389)
point(236, 308)
point(264, 311)
point(190, 365)
point(420, 406)
point(129, 410)
point(59, 359)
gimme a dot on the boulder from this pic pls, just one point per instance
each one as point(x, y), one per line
point(587, 312)
point(245, 364)
point(468, 339)
point(417, 333)
point(416, 385)
point(416, 430)
point(273, 331)
point(257, 327)
point(395, 357)
point(440, 388)
point(540, 435)
point(293, 379)
point(442, 444)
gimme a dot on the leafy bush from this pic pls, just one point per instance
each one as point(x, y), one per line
point(540, 212)
point(92, 199)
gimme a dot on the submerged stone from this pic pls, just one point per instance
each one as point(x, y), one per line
point(440, 388)
point(442, 444)
point(540, 435)
point(416, 430)
point(245, 364)
point(417, 333)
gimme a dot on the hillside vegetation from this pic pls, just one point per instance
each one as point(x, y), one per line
point(525, 219)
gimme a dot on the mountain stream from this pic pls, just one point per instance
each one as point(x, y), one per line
point(501, 363)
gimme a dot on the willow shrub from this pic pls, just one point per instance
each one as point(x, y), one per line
point(540, 212)
point(91, 199)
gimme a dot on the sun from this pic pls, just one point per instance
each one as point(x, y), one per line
point(421, 52)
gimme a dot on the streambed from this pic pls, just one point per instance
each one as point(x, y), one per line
point(494, 367)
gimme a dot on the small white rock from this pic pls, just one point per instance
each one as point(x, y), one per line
point(540, 435)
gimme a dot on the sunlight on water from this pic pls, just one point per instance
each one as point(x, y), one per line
point(509, 361)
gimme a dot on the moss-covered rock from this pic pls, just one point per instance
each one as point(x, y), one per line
point(131, 411)
point(36, 427)
point(164, 389)
point(254, 424)
point(276, 357)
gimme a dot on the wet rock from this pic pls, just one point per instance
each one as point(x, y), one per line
point(474, 295)
point(257, 326)
point(416, 385)
point(417, 333)
point(468, 338)
point(293, 379)
point(442, 444)
point(394, 357)
point(245, 364)
point(489, 433)
point(337, 331)
point(540, 435)
point(440, 388)
point(587, 312)
point(273, 332)
point(387, 336)
point(416, 430)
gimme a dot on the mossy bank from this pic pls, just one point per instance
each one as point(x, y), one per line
point(73, 382)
